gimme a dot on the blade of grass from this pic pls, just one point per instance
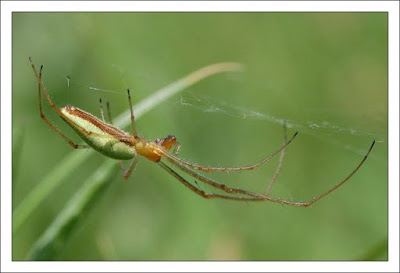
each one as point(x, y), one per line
point(54, 238)
point(76, 158)
point(379, 252)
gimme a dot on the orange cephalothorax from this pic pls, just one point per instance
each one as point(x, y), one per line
point(148, 149)
point(151, 150)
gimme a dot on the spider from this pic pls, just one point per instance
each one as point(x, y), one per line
point(115, 143)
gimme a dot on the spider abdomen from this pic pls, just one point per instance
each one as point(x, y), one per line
point(101, 136)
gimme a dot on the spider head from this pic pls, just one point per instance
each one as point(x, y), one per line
point(166, 142)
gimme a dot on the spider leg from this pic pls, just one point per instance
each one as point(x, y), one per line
point(128, 172)
point(42, 87)
point(173, 158)
point(217, 185)
point(122, 167)
point(101, 110)
point(280, 162)
point(177, 148)
point(319, 197)
point(132, 116)
point(252, 196)
point(109, 113)
point(200, 192)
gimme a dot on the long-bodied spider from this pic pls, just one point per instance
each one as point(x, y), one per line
point(117, 144)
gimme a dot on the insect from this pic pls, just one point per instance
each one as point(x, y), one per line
point(115, 143)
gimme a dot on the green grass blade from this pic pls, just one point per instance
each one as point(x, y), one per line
point(54, 238)
point(379, 252)
point(76, 158)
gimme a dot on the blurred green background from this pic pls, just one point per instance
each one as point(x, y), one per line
point(326, 73)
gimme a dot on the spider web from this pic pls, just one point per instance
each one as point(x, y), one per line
point(324, 130)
